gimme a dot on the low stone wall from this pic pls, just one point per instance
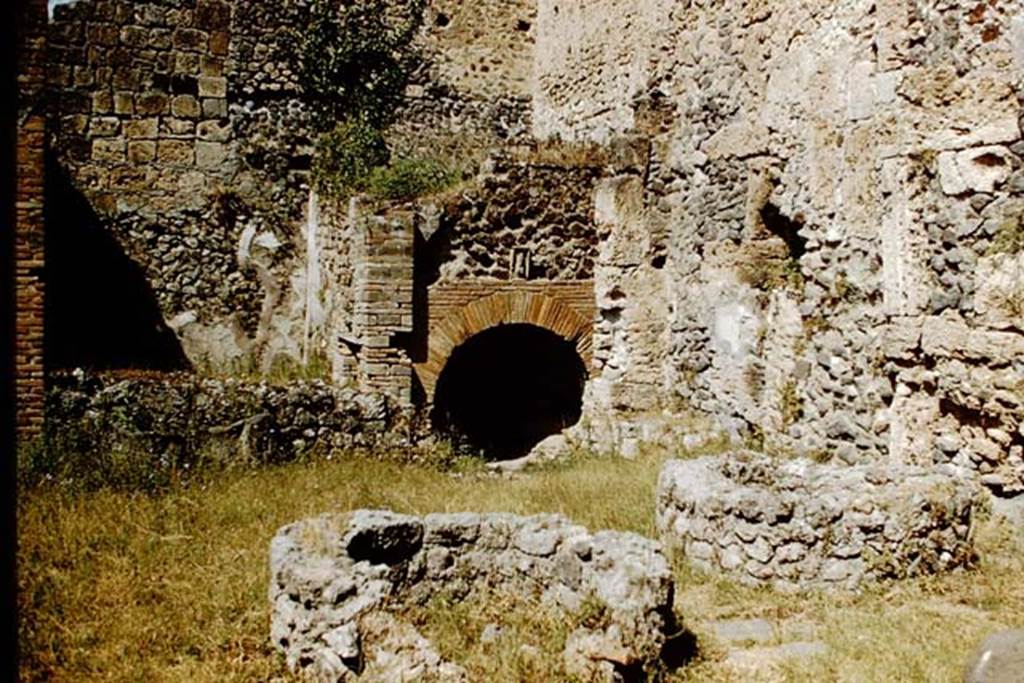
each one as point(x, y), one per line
point(336, 579)
point(797, 524)
point(179, 418)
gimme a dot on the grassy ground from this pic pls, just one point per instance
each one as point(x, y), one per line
point(172, 587)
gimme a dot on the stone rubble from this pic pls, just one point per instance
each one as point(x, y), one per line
point(337, 578)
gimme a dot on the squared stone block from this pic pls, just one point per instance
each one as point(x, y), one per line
point(185, 106)
point(102, 102)
point(141, 128)
point(108, 150)
point(150, 103)
point(176, 152)
point(141, 151)
point(104, 126)
point(124, 102)
point(190, 39)
point(177, 127)
point(215, 108)
point(211, 66)
point(213, 86)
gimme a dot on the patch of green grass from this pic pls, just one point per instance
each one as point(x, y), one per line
point(172, 587)
point(1010, 237)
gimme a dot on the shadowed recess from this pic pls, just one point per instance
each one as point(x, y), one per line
point(101, 313)
point(508, 388)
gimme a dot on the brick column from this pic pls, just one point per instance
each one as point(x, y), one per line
point(29, 232)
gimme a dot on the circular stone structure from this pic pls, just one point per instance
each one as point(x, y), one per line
point(797, 524)
point(339, 585)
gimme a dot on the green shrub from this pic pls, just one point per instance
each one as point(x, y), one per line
point(347, 156)
point(410, 178)
point(1010, 237)
point(353, 158)
point(356, 59)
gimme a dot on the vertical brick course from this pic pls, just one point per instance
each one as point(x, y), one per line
point(29, 252)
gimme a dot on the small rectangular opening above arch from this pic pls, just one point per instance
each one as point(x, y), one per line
point(522, 263)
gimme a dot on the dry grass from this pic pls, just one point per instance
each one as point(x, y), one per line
point(115, 586)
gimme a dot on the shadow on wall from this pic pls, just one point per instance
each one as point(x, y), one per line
point(101, 313)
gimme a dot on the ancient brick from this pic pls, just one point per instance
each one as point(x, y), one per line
point(141, 128)
point(190, 39)
point(134, 36)
point(177, 127)
point(219, 42)
point(215, 108)
point(104, 126)
point(126, 78)
point(124, 102)
point(211, 66)
point(108, 150)
point(213, 86)
point(175, 152)
point(186, 62)
point(212, 15)
point(160, 38)
point(102, 102)
point(141, 151)
point(83, 76)
point(152, 102)
point(185, 106)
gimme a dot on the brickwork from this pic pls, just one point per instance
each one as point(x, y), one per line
point(460, 311)
point(370, 273)
point(384, 305)
point(29, 227)
point(446, 299)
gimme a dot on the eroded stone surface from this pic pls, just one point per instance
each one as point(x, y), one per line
point(797, 524)
point(340, 581)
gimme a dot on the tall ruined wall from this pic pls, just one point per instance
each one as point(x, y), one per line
point(152, 129)
point(182, 127)
point(473, 90)
point(837, 182)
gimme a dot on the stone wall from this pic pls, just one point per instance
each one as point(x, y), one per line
point(797, 524)
point(179, 421)
point(537, 199)
point(184, 127)
point(29, 245)
point(473, 92)
point(821, 172)
point(147, 132)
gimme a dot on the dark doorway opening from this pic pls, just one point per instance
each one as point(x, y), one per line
point(507, 389)
point(101, 313)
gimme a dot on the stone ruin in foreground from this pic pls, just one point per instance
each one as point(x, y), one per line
point(341, 585)
point(797, 524)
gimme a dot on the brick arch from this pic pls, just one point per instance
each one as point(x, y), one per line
point(504, 308)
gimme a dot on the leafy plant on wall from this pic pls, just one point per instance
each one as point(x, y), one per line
point(356, 59)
